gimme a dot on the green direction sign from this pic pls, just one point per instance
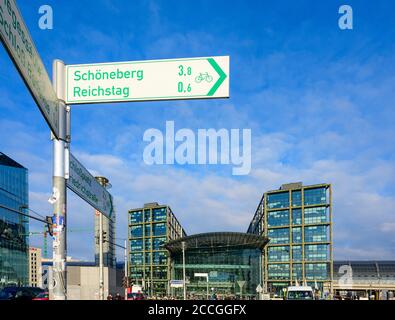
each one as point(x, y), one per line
point(16, 39)
point(173, 79)
point(85, 185)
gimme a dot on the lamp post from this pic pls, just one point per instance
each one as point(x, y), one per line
point(105, 183)
point(183, 270)
point(125, 255)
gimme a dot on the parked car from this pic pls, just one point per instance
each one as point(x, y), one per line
point(19, 293)
point(300, 293)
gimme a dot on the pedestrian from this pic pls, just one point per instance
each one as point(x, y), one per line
point(118, 296)
point(109, 297)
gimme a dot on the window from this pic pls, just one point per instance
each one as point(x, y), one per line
point(147, 230)
point(147, 215)
point(316, 252)
point(278, 271)
point(159, 258)
point(147, 258)
point(158, 243)
point(297, 272)
point(297, 253)
point(296, 198)
point(278, 236)
point(160, 272)
point(147, 244)
point(278, 218)
point(278, 200)
point(297, 235)
point(136, 217)
point(136, 245)
point(316, 271)
point(315, 196)
point(297, 216)
point(278, 254)
point(159, 214)
point(136, 231)
point(159, 229)
point(137, 258)
point(316, 215)
point(315, 234)
point(136, 273)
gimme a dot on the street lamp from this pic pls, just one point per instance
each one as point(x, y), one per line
point(183, 269)
point(103, 181)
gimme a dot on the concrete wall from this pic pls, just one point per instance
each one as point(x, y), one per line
point(83, 283)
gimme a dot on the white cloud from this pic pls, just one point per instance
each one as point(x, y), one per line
point(388, 227)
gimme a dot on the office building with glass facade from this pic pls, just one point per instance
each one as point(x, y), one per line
point(150, 228)
point(14, 228)
point(230, 260)
point(297, 220)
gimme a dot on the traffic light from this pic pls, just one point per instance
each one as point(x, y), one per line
point(104, 236)
point(49, 225)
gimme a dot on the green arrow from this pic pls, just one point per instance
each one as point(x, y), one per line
point(221, 73)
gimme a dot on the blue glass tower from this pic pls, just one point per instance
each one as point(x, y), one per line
point(14, 228)
point(150, 228)
point(297, 220)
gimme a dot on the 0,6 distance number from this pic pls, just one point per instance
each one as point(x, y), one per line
point(184, 88)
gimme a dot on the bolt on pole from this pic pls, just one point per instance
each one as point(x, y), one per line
point(59, 199)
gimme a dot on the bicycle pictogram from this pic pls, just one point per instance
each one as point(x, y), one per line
point(203, 77)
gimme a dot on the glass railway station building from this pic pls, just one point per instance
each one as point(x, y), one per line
point(288, 242)
point(230, 259)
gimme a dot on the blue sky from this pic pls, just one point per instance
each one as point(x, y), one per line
point(319, 102)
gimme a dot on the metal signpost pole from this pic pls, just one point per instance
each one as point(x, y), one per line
point(101, 265)
point(126, 269)
point(58, 198)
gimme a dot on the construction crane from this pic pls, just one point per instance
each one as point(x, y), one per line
point(45, 236)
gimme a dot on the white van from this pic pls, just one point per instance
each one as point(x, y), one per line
point(300, 293)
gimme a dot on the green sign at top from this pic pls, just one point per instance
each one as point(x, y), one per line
point(20, 46)
point(173, 79)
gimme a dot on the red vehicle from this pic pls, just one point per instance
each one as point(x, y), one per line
point(42, 296)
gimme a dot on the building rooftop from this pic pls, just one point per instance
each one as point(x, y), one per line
point(292, 185)
point(7, 161)
point(151, 204)
point(366, 269)
point(218, 239)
